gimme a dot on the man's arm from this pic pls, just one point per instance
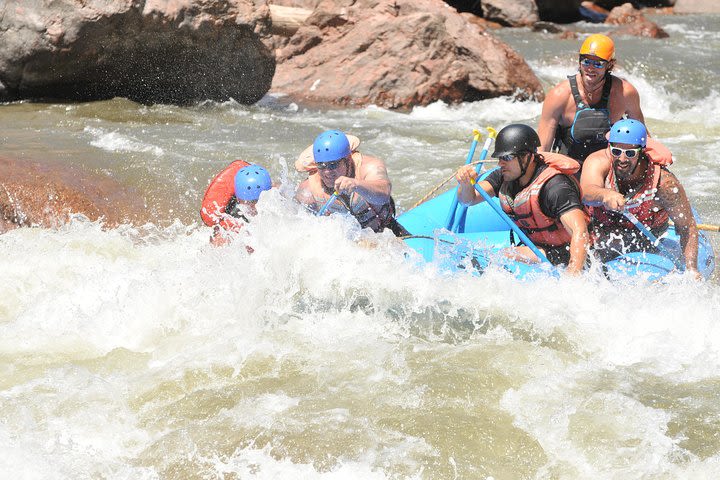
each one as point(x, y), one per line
point(304, 195)
point(630, 103)
point(592, 183)
point(560, 198)
point(467, 195)
point(373, 184)
point(575, 223)
point(672, 197)
point(552, 110)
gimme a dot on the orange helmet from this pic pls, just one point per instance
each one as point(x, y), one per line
point(598, 45)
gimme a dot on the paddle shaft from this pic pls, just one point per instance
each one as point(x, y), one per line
point(484, 153)
point(453, 206)
point(706, 227)
point(461, 218)
point(327, 204)
point(640, 226)
point(528, 243)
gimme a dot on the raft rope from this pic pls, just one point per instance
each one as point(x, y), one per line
point(439, 186)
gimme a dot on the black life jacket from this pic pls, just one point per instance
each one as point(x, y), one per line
point(587, 132)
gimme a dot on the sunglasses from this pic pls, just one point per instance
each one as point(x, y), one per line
point(508, 158)
point(329, 165)
point(586, 62)
point(629, 153)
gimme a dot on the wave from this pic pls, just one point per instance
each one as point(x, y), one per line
point(329, 351)
point(118, 142)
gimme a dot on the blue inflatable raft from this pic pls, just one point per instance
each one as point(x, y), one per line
point(478, 237)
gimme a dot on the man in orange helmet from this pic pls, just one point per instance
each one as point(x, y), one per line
point(578, 112)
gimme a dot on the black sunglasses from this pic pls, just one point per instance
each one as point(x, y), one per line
point(329, 165)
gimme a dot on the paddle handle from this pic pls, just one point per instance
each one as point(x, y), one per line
point(528, 243)
point(492, 133)
point(460, 218)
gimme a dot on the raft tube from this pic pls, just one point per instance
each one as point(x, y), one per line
point(479, 240)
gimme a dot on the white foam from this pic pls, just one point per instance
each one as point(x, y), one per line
point(118, 142)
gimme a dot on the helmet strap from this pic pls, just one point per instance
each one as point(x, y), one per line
point(524, 168)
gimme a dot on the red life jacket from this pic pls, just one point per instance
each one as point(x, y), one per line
point(525, 207)
point(217, 196)
point(649, 211)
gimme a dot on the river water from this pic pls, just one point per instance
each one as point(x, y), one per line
point(142, 352)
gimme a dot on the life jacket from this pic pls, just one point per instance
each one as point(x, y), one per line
point(648, 211)
point(218, 205)
point(587, 132)
point(367, 215)
point(525, 207)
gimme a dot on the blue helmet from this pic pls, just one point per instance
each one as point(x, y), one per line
point(250, 181)
point(331, 145)
point(632, 132)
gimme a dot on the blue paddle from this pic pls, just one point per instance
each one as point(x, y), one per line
point(528, 243)
point(650, 236)
point(327, 204)
point(453, 206)
point(460, 219)
point(640, 226)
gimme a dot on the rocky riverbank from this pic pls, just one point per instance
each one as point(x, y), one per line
point(391, 53)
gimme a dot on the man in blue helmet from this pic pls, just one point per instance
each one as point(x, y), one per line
point(231, 197)
point(622, 177)
point(360, 182)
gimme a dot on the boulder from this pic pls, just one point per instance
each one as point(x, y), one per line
point(610, 4)
point(173, 51)
point(513, 13)
point(397, 54)
point(34, 194)
point(560, 11)
point(633, 22)
point(697, 6)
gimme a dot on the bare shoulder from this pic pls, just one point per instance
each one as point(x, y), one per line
point(559, 92)
point(371, 167)
point(668, 180)
point(304, 191)
point(623, 86)
point(597, 162)
point(596, 158)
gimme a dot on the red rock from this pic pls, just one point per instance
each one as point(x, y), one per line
point(397, 54)
point(45, 195)
point(633, 22)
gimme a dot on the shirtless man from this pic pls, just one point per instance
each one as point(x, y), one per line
point(578, 112)
point(359, 183)
point(622, 177)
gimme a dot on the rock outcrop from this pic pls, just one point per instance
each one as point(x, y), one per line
point(561, 11)
point(171, 51)
point(46, 195)
point(397, 54)
point(697, 6)
point(633, 22)
point(513, 13)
